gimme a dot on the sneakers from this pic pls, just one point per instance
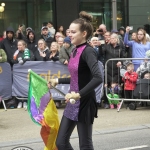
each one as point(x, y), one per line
point(25, 105)
point(112, 106)
point(19, 105)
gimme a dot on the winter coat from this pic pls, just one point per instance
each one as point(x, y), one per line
point(21, 55)
point(130, 83)
point(64, 54)
point(111, 52)
point(9, 45)
point(55, 58)
point(40, 58)
point(31, 45)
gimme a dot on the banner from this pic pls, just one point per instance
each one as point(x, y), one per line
point(5, 81)
point(47, 70)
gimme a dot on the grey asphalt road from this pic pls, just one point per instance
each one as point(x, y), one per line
point(111, 130)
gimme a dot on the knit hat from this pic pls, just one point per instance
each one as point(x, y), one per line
point(67, 40)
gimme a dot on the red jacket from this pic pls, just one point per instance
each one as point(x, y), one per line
point(130, 82)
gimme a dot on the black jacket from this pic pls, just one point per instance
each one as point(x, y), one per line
point(55, 58)
point(20, 55)
point(9, 45)
point(40, 58)
point(111, 52)
point(30, 45)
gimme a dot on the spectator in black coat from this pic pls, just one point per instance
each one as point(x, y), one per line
point(54, 52)
point(9, 44)
point(30, 39)
point(22, 54)
point(42, 51)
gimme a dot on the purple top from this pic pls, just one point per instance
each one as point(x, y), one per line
point(71, 111)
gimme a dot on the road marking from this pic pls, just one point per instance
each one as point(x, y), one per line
point(130, 148)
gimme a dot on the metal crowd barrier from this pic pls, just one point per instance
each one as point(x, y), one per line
point(122, 99)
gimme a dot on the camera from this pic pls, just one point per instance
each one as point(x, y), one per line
point(100, 30)
point(131, 27)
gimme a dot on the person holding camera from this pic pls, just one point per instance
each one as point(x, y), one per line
point(100, 32)
point(139, 46)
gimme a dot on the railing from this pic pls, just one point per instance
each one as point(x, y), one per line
point(123, 98)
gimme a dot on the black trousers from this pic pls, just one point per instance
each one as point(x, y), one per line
point(128, 95)
point(65, 131)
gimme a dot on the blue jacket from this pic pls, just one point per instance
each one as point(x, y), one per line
point(138, 49)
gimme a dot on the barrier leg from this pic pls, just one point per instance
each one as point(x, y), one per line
point(120, 106)
point(4, 105)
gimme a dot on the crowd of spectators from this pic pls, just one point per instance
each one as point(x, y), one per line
point(55, 45)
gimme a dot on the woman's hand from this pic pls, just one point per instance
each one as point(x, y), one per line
point(127, 29)
point(42, 54)
point(66, 62)
point(52, 82)
point(52, 55)
point(118, 64)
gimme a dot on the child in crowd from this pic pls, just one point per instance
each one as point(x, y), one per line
point(147, 76)
point(123, 67)
point(114, 91)
point(130, 78)
point(145, 65)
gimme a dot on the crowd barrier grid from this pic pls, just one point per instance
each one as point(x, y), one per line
point(47, 70)
point(123, 99)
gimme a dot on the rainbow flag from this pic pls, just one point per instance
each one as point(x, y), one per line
point(42, 109)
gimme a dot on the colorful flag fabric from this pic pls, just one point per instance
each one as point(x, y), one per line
point(42, 109)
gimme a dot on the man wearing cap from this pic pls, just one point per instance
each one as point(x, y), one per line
point(51, 29)
point(9, 44)
point(65, 51)
point(46, 36)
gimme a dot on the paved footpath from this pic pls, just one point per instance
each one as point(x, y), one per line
point(16, 127)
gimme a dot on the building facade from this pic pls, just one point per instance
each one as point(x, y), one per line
point(61, 12)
